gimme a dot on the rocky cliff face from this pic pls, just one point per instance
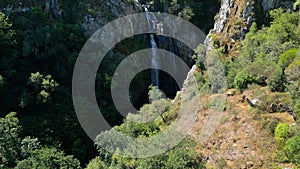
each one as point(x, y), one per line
point(232, 23)
point(104, 11)
point(268, 5)
point(234, 20)
point(94, 14)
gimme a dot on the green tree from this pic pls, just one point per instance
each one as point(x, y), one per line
point(150, 112)
point(28, 145)
point(154, 93)
point(288, 57)
point(270, 42)
point(48, 158)
point(186, 13)
point(292, 149)
point(7, 41)
point(174, 7)
point(231, 69)
point(243, 79)
point(251, 41)
point(96, 163)
point(6, 35)
point(151, 163)
point(39, 89)
point(181, 158)
point(216, 72)
point(10, 147)
point(37, 41)
point(293, 76)
point(277, 80)
point(200, 56)
point(284, 26)
point(292, 70)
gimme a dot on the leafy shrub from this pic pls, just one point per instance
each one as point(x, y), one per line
point(174, 7)
point(293, 75)
point(96, 163)
point(231, 69)
point(29, 145)
point(186, 13)
point(292, 149)
point(9, 140)
point(276, 81)
point(282, 133)
point(48, 158)
point(183, 158)
point(200, 57)
point(287, 57)
point(216, 72)
point(243, 79)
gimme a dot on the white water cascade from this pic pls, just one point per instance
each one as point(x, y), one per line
point(172, 60)
point(154, 60)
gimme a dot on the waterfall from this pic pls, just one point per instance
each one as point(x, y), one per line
point(172, 50)
point(153, 45)
point(155, 63)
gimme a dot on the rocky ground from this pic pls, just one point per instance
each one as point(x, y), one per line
point(243, 138)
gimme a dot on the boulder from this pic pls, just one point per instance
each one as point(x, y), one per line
point(231, 92)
